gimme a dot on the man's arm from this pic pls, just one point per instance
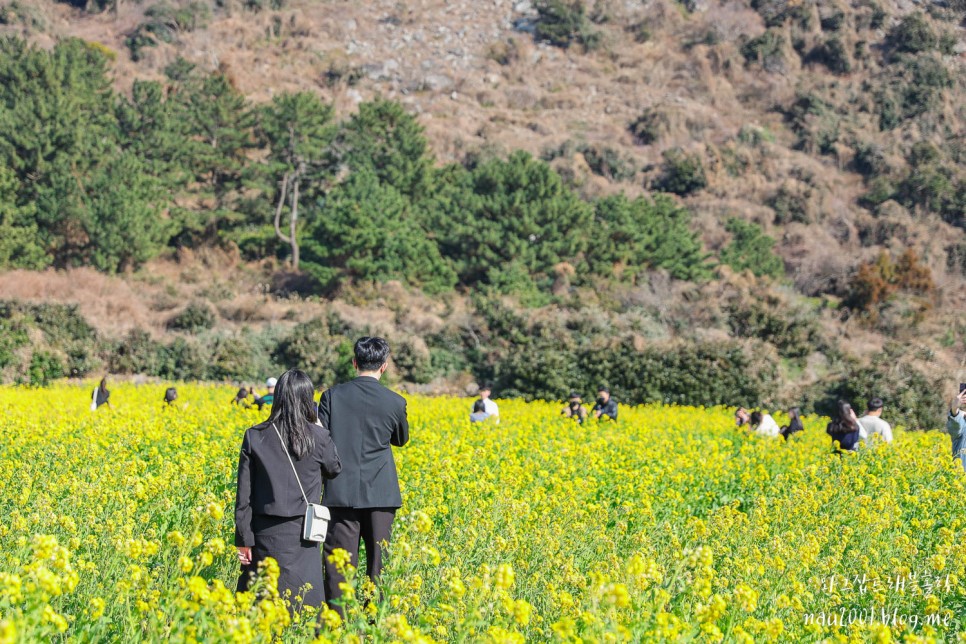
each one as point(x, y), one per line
point(611, 409)
point(886, 432)
point(400, 434)
point(331, 465)
point(325, 410)
point(955, 421)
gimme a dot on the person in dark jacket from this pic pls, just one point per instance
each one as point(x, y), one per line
point(269, 502)
point(844, 428)
point(794, 424)
point(101, 396)
point(606, 407)
point(170, 395)
point(365, 419)
point(241, 398)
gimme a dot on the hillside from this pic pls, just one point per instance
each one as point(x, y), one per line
point(835, 129)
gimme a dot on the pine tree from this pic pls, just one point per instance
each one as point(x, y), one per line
point(385, 139)
point(630, 236)
point(298, 131)
point(370, 232)
point(512, 213)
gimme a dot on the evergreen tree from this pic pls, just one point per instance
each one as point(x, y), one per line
point(385, 139)
point(370, 232)
point(298, 131)
point(633, 235)
point(125, 225)
point(56, 125)
point(152, 127)
point(750, 249)
point(19, 246)
point(219, 125)
point(512, 213)
point(90, 201)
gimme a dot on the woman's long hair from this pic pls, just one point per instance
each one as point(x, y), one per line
point(293, 411)
point(843, 423)
point(795, 421)
point(103, 386)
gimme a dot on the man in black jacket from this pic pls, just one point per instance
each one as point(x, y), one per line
point(364, 419)
point(606, 407)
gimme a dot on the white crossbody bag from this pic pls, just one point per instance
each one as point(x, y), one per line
point(316, 522)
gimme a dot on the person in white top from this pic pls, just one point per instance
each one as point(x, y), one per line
point(764, 424)
point(872, 423)
point(489, 406)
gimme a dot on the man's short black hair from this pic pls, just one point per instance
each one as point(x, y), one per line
point(875, 404)
point(371, 353)
point(604, 389)
point(574, 394)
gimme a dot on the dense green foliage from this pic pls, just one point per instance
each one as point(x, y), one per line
point(564, 23)
point(77, 194)
point(88, 177)
point(750, 249)
point(632, 235)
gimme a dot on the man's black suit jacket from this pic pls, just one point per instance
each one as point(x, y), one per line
point(365, 419)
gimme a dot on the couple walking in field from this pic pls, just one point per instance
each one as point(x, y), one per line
point(346, 447)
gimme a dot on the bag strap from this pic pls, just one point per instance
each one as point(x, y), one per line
point(301, 489)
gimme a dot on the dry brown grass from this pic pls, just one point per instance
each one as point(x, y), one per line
point(110, 304)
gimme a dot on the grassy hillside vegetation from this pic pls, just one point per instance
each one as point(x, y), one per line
point(691, 203)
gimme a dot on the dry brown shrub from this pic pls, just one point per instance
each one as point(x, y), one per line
point(109, 304)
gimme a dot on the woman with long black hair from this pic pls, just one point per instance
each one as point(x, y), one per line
point(101, 396)
point(844, 428)
point(280, 458)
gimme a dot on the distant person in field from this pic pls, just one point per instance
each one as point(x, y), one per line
point(101, 396)
point(794, 424)
point(575, 408)
point(956, 427)
point(478, 415)
point(241, 398)
point(366, 419)
point(268, 398)
point(170, 395)
point(742, 417)
point(606, 407)
point(270, 499)
point(872, 424)
point(844, 428)
point(490, 407)
point(761, 422)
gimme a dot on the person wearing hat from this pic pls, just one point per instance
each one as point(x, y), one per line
point(268, 398)
point(490, 407)
point(575, 408)
point(606, 406)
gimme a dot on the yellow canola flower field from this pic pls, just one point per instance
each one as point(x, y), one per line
point(671, 525)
